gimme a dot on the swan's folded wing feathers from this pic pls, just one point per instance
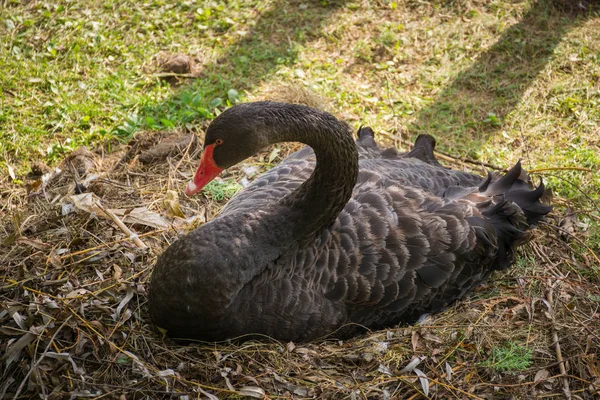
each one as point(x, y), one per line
point(291, 173)
point(271, 186)
point(376, 293)
point(390, 294)
point(436, 271)
point(428, 235)
point(384, 266)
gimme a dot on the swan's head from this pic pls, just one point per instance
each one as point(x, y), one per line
point(233, 136)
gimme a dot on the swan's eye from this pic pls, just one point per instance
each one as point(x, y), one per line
point(219, 142)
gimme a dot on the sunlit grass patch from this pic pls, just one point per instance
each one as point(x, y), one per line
point(222, 190)
point(511, 357)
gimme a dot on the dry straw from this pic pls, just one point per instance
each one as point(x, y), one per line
point(74, 322)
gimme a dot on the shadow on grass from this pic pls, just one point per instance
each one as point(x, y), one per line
point(275, 40)
point(474, 106)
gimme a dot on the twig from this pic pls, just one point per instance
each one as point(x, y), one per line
point(37, 363)
point(359, 387)
point(560, 169)
point(133, 236)
point(187, 150)
point(174, 75)
point(559, 357)
point(108, 244)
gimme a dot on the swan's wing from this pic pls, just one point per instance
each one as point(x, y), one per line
point(418, 168)
point(272, 186)
point(395, 252)
point(413, 172)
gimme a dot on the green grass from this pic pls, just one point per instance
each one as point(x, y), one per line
point(511, 357)
point(492, 81)
point(221, 190)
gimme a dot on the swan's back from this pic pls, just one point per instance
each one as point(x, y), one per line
point(417, 168)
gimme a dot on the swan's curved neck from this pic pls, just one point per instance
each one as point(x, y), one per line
point(318, 201)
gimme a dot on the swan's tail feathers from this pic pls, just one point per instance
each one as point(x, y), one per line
point(513, 187)
point(512, 208)
point(423, 150)
point(515, 178)
point(510, 225)
point(529, 201)
point(509, 208)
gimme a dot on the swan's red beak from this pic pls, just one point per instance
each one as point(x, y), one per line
point(206, 172)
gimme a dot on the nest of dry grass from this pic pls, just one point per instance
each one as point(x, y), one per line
point(74, 323)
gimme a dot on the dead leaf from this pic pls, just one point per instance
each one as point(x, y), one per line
point(165, 373)
point(210, 396)
point(171, 204)
point(51, 304)
point(306, 352)
point(138, 364)
point(66, 357)
point(13, 351)
point(142, 216)
point(123, 303)
point(414, 339)
point(87, 202)
point(384, 370)
point(252, 391)
point(541, 375)
point(273, 155)
point(118, 272)
point(432, 338)
point(249, 378)
point(18, 318)
point(424, 381)
point(9, 331)
point(11, 172)
point(76, 293)
point(227, 382)
point(448, 372)
point(34, 185)
point(55, 257)
point(411, 365)
point(568, 224)
point(35, 243)
point(125, 316)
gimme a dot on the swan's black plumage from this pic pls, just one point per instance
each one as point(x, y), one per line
point(360, 236)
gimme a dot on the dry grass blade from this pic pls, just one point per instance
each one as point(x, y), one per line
point(39, 360)
point(559, 357)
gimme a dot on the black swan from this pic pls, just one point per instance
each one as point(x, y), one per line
point(358, 238)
